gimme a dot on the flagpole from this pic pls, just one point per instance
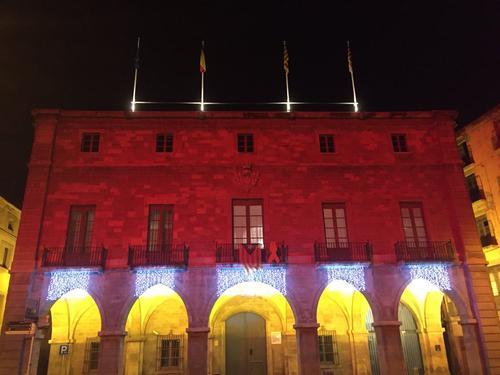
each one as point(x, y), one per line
point(202, 101)
point(136, 70)
point(285, 65)
point(349, 58)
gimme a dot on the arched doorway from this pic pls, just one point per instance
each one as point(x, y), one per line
point(156, 333)
point(74, 341)
point(346, 337)
point(431, 335)
point(251, 332)
point(246, 344)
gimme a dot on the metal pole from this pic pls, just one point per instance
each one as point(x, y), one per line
point(31, 353)
point(135, 75)
point(351, 70)
point(202, 91)
point(288, 107)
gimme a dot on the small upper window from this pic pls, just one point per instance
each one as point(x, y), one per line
point(10, 225)
point(245, 142)
point(399, 143)
point(164, 143)
point(326, 143)
point(90, 142)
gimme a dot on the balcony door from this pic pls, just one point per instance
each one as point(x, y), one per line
point(160, 227)
point(247, 222)
point(412, 218)
point(246, 345)
point(81, 222)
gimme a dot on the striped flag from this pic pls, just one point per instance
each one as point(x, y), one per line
point(286, 58)
point(203, 65)
point(349, 58)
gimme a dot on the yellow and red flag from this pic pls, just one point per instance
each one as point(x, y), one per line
point(286, 59)
point(349, 58)
point(203, 65)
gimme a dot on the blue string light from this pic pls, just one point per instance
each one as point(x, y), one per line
point(435, 273)
point(64, 281)
point(353, 274)
point(148, 277)
point(228, 277)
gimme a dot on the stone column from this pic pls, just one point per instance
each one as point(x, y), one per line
point(389, 347)
point(471, 343)
point(111, 358)
point(307, 348)
point(197, 350)
point(360, 353)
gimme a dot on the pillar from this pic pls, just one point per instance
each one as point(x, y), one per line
point(111, 359)
point(389, 347)
point(307, 347)
point(197, 350)
point(360, 353)
point(471, 343)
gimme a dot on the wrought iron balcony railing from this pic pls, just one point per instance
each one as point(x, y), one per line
point(74, 257)
point(343, 252)
point(229, 253)
point(425, 251)
point(488, 240)
point(158, 255)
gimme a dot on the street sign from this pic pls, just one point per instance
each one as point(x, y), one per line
point(64, 349)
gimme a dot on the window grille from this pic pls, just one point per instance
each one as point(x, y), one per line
point(328, 348)
point(245, 142)
point(164, 143)
point(92, 347)
point(170, 352)
point(90, 142)
point(326, 143)
point(399, 143)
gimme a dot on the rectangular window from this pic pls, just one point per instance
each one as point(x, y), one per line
point(5, 258)
point(247, 222)
point(465, 154)
point(485, 231)
point(81, 222)
point(92, 354)
point(328, 348)
point(475, 192)
point(164, 143)
point(334, 219)
point(326, 143)
point(399, 143)
point(412, 218)
point(160, 226)
point(170, 349)
point(245, 142)
point(494, 285)
point(90, 142)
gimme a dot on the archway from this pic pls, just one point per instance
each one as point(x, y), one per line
point(156, 333)
point(74, 341)
point(346, 337)
point(255, 301)
point(431, 336)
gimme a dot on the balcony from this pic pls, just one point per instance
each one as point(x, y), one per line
point(331, 252)
point(425, 251)
point(476, 194)
point(162, 255)
point(228, 253)
point(74, 257)
point(488, 240)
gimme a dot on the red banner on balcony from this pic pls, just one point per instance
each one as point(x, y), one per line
point(250, 256)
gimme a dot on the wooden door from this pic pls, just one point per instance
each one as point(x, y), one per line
point(246, 345)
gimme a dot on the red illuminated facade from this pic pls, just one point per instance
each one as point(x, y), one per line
point(117, 191)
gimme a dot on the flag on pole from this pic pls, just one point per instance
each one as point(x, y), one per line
point(203, 65)
point(349, 58)
point(286, 58)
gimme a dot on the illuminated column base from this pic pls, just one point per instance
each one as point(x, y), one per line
point(197, 350)
point(307, 347)
point(389, 347)
point(111, 357)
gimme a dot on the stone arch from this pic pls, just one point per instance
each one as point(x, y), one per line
point(270, 304)
point(156, 332)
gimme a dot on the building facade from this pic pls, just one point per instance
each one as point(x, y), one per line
point(479, 148)
point(249, 243)
point(10, 216)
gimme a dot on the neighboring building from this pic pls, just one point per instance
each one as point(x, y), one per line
point(249, 243)
point(479, 148)
point(9, 226)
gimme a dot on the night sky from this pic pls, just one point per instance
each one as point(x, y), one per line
point(407, 55)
